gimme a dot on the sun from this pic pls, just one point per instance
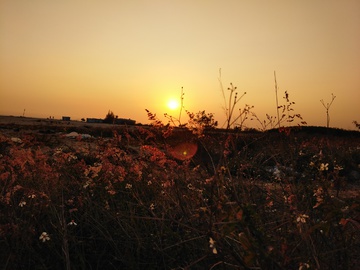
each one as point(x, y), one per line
point(173, 104)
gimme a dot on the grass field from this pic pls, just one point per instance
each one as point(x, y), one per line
point(155, 197)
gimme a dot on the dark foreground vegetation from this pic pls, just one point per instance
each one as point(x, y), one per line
point(160, 198)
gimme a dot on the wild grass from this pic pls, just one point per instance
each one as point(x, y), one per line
point(161, 197)
point(327, 108)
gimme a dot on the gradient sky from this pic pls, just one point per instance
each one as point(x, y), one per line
point(83, 58)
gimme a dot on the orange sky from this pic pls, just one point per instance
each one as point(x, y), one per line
point(83, 58)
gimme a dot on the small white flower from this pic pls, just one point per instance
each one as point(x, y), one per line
point(71, 157)
point(212, 245)
point(304, 266)
point(44, 237)
point(32, 196)
point(149, 182)
point(152, 206)
point(324, 167)
point(22, 203)
point(72, 223)
point(87, 183)
point(318, 192)
point(128, 186)
point(107, 206)
point(58, 151)
point(302, 218)
point(338, 168)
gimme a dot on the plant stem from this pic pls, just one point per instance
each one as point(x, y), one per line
point(181, 104)
point(277, 101)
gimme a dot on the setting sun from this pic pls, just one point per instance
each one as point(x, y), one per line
point(173, 104)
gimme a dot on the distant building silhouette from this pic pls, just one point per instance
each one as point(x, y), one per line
point(123, 121)
point(117, 121)
point(94, 120)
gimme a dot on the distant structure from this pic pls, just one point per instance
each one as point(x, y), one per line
point(123, 121)
point(66, 118)
point(94, 120)
point(117, 121)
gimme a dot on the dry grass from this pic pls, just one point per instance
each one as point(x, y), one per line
point(264, 200)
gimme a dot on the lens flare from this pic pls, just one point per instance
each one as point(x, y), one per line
point(183, 151)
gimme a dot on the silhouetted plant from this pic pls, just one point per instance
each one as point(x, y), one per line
point(110, 118)
point(200, 121)
point(153, 118)
point(265, 124)
point(356, 124)
point(230, 105)
point(287, 111)
point(287, 115)
point(327, 108)
point(181, 104)
point(158, 127)
point(173, 120)
point(277, 101)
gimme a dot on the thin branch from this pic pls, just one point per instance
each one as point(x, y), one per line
point(277, 101)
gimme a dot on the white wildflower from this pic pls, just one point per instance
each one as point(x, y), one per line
point(87, 183)
point(72, 223)
point(58, 151)
point(71, 157)
point(212, 245)
point(324, 167)
point(304, 266)
point(44, 237)
point(302, 218)
point(152, 206)
point(338, 168)
point(22, 203)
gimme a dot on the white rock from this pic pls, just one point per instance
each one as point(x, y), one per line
point(86, 136)
point(17, 140)
point(72, 135)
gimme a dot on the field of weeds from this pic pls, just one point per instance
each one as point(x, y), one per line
point(163, 198)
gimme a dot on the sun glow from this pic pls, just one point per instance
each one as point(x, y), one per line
point(173, 104)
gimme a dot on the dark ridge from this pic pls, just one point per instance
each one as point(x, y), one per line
point(317, 130)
